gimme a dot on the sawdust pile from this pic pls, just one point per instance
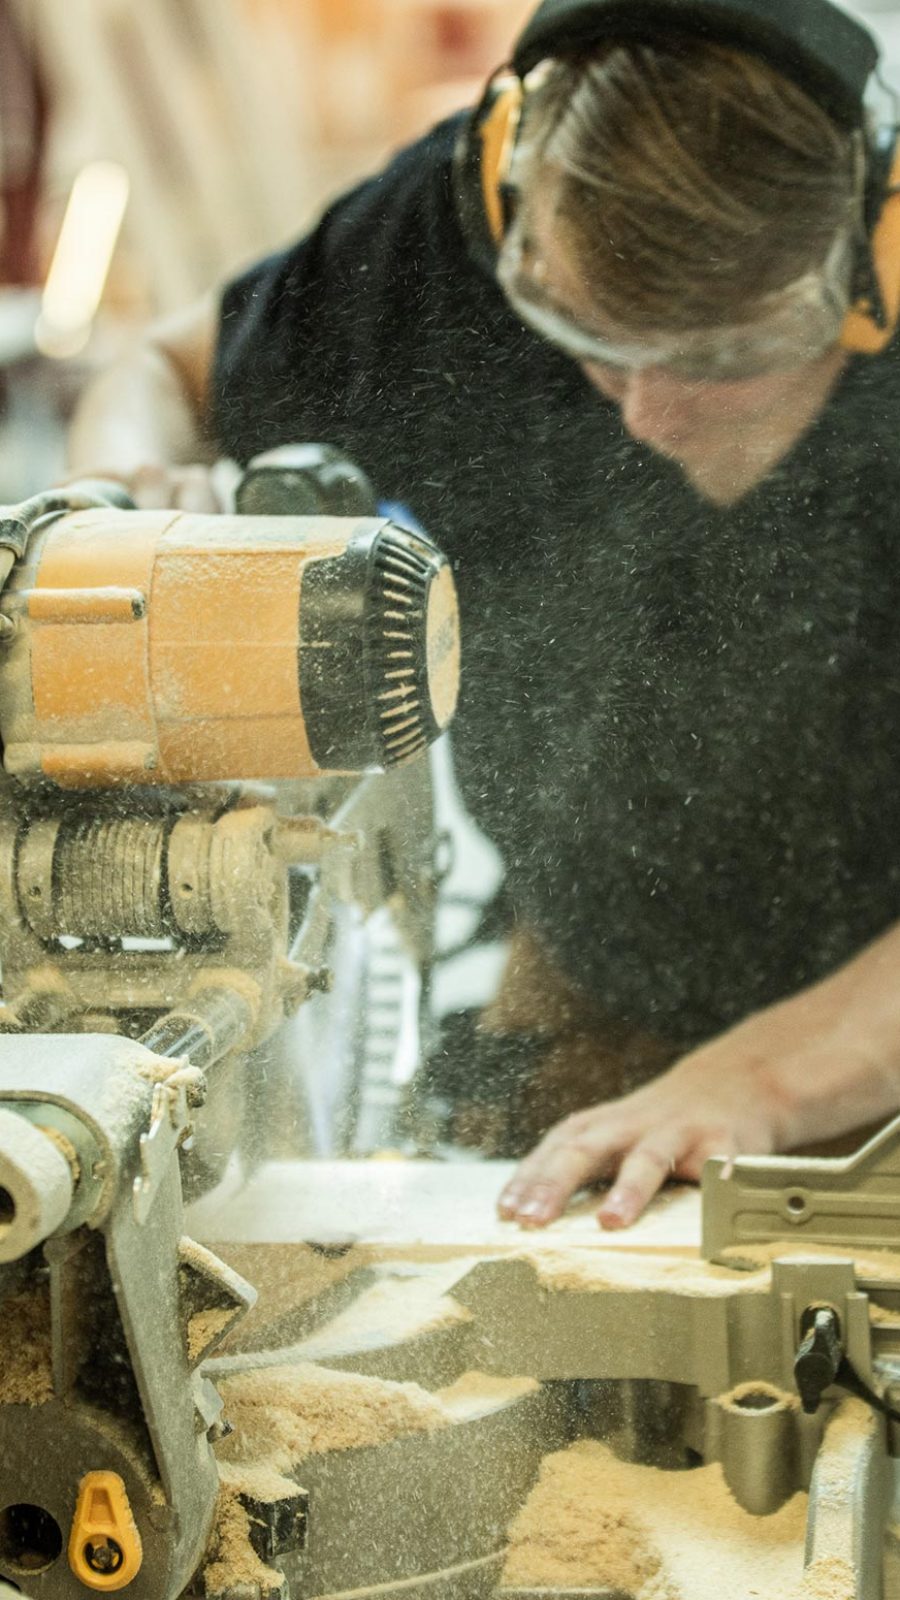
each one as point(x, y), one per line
point(204, 1328)
point(830, 1578)
point(282, 1414)
point(232, 1560)
point(594, 1521)
point(26, 1372)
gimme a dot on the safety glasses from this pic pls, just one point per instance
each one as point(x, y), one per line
point(789, 328)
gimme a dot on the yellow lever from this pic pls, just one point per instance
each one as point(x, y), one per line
point(104, 1546)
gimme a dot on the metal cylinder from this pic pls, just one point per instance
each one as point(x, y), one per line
point(36, 1186)
point(753, 1432)
point(203, 1029)
point(130, 877)
point(94, 877)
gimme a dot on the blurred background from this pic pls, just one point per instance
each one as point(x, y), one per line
point(148, 151)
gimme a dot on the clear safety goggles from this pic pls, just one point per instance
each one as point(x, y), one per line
point(789, 327)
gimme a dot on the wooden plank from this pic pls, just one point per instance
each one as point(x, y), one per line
point(417, 1208)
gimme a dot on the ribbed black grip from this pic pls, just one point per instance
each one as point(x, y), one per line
point(370, 651)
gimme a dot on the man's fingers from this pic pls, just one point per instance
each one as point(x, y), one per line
point(189, 488)
point(642, 1173)
point(542, 1186)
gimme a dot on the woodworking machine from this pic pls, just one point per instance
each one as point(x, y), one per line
point(376, 1420)
point(162, 914)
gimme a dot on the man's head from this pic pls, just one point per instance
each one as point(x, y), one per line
point(686, 225)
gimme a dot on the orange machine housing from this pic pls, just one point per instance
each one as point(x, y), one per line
point(164, 647)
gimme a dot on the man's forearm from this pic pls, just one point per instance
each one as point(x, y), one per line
point(835, 1047)
point(810, 1068)
point(136, 412)
point(150, 408)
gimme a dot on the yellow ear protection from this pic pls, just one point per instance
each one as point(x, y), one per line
point(810, 41)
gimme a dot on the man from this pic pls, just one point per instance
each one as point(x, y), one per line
point(669, 491)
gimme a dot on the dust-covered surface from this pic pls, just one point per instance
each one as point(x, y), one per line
point(593, 1520)
point(231, 1558)
point(26, 1373)
point(878, 1266)
point(587, 1271)
point(281, 1415)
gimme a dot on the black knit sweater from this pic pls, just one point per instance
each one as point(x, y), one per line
point(680, 724)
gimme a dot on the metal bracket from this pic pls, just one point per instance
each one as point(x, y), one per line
point(852, 1202)
point(171, 1122)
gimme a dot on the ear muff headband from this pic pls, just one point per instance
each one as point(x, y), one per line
point(810, 41)
point(818, 46)
point(497, 132)
point(869, 329)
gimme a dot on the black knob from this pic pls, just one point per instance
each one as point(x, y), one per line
point(819, 1357)
point(305, 480)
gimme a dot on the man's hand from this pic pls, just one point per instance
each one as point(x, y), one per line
point(667, 1129)
point(811, 1068)
point(155, 487)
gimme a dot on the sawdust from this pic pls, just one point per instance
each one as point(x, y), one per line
point(851, 1421)
point(280, 1415)
point(830, 1578)
point(231, 1559)
point(590, 1270)
point(478, 1393)
point(830, 1575)
point(593, 1520)
point(732, 1401)
point(883, 1316)
point(880, 1266)
point(204, 1327)
point(392, 1311)
point(26, 1371)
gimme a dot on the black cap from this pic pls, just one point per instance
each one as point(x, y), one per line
point(812, 42)
point(379, 649)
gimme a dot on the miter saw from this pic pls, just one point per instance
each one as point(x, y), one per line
point(378, 1422)
point(160, 919)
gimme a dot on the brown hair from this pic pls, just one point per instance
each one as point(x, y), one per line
point(692, 178)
